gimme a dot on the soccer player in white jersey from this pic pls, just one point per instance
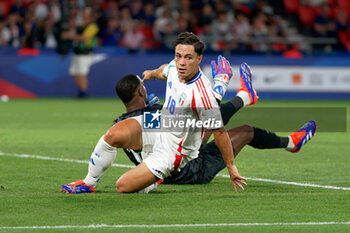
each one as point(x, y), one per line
point(134, 100)
point(187, 93)
point(127, 131)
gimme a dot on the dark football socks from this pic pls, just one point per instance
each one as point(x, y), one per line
point(229, 108)
point(264, 139)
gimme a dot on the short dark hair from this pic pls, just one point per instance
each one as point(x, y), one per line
point(127, 86)
point(190, 38)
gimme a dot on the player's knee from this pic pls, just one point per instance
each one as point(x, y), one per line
point(112, 138)
point(121, 186)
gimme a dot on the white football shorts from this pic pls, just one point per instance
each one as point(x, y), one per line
point(165, 161)
point(80, 64)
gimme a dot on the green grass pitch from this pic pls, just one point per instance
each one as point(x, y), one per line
point(69, 129)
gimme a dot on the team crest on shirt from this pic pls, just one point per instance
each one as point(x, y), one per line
point(182, 98)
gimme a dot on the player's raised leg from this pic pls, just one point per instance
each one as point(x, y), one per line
point(265, 139)
point(246, 90)
point(302, 136)
point(246, 95)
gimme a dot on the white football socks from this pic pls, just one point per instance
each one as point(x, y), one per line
point(101, 159)
point(245, 97)
point(290, 145)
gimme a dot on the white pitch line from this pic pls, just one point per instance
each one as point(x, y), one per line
point(293, 183)
point(176, 225)
point(221, 175)
point(58, 159)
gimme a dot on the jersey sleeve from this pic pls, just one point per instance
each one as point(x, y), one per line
point(168, 68)
point(207, 107)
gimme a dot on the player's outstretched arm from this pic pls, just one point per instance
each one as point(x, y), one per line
point(223, 142)
point(155, 74)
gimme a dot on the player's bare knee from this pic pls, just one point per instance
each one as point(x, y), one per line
point(120, 186)
point(112, 138)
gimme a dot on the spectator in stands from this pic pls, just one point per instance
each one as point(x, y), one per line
point(46, 36)
point(41, 10)
point(55, 8)
point(126, 22)
point(167, 36)
point(221, 6)
point(278, 32)
point(161, 22)
point(324, 25)
point(184, 22)
point(112, 10)
point(14, 29)
point(207, 15)
point(241, 28)
point(168, 5)
point(221, 26)
point(185, 5)
point(133, 38)
point(227, 20)
point(18, 7)
point(259, 32)
point(148, 14)
point(261, 6)
point(112, 35)
point(342, 22)
point(136, 11)
point(343, 30)
point(28, 37)
point(184, 26)
point(73, 8)
point(4, 33)
point(208, 37)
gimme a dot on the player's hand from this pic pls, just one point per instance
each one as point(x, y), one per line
point(236, 178)
point(147, 75)
point(223, 67)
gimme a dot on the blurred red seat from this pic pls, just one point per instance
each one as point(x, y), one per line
point(306, 15)
point(345, 4)
point(344, 38)
point(291, 6)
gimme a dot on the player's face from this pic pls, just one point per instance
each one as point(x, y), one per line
point(187, 61)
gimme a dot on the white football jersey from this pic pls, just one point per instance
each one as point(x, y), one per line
point(192, 102)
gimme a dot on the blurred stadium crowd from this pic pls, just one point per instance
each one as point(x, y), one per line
point(258, 26)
